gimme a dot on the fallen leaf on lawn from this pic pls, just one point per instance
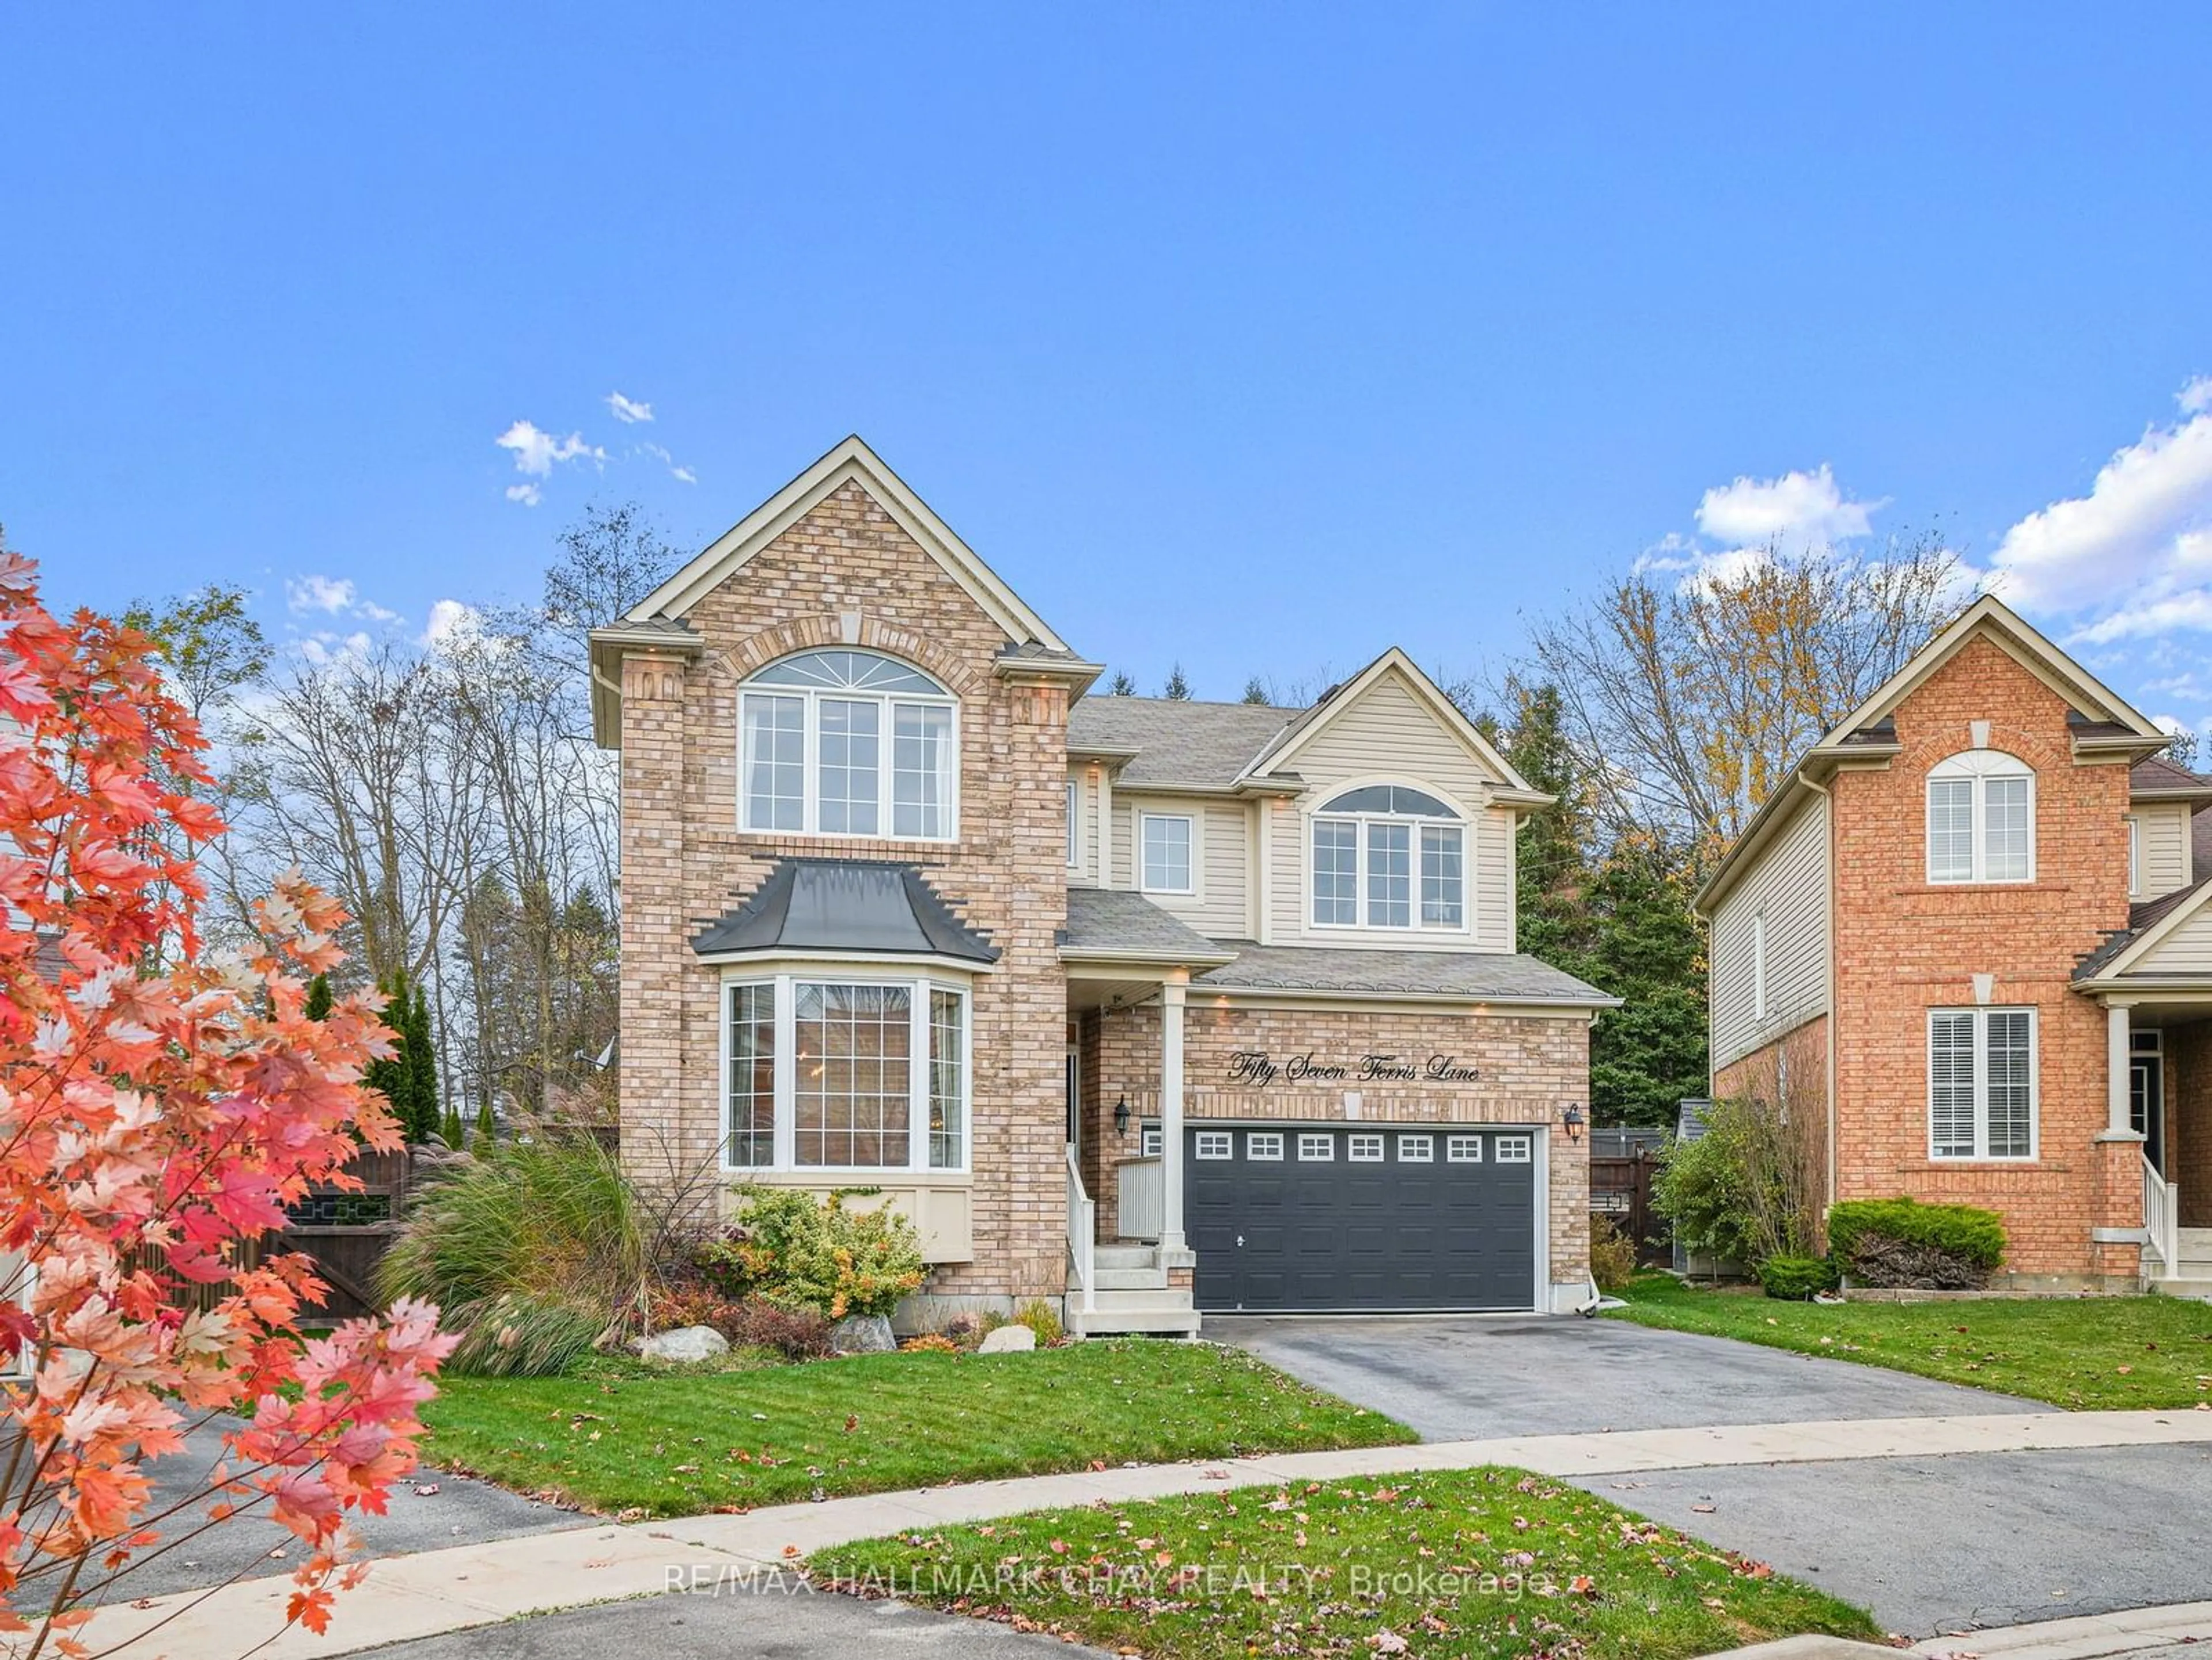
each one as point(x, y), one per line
point(1582, 1585)
point(852, 1422)
point(2124, 1370)
point(1059, 1547)
point(1387, 1641)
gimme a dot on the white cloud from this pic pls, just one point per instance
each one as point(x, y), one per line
point(683, 473)
point(1797, 511)
point(451, 620)
point(2131, 548)
point(325, 593)
point(537, 453)
point(323, 647)
point(668, 461)
point(629, 410)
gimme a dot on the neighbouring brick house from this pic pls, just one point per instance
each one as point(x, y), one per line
point(1152, 1005)
point(1971, 933)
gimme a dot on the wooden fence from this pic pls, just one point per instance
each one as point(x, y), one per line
point(1621, 1187)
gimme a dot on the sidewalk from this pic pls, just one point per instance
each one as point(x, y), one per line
point(451, 1589)
point(2144, 1632)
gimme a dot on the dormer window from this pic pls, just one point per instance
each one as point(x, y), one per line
point(1981, 819)
point(848, 743)
point(1389, 856)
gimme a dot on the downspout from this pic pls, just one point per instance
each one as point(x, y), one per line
point(1828, 968)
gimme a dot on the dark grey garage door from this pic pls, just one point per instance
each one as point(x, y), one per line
point(1341, 1217)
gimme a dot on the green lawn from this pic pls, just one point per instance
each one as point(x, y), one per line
point(616, 1436)
point(1468, 1562)
point(2086, 1353)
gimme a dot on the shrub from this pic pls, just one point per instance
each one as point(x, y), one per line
point(543, 1224)
point(749, 1323)
point(930, 1343)
point(791, 1249)
point(1611, 1254)
point(1794, 1279)
point(1748, 1188)
point(1902, 1242)
point(1038, 1315)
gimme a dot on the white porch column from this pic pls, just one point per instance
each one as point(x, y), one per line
point(1172, 991)
point(2118, 1059)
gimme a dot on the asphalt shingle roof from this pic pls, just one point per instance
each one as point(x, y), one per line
point(1177, 741)
point(2159, 774)
point(1435, 973)
point(1108, 919)
point(2146, 915)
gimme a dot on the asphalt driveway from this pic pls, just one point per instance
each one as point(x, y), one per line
point(1467, 1377)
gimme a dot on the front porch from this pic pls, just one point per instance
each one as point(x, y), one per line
point(2160, 1099)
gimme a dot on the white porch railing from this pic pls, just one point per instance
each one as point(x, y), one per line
point(1082, 1235)
point(1140, 1198)
point(2162, 1219)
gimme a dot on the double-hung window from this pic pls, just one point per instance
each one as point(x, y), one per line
point(1164, 848)
point(1387, 856)
point(848, 743)
point(1981, 819)
point(836, 1074)
point(1982, 1083)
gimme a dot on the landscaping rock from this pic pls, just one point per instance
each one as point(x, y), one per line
point(685, 1343)
point(862, 1333)
point(1008, 1340)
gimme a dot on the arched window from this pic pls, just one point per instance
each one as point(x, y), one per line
point(1389, 856)
point(848, 743)
point(1981, 819)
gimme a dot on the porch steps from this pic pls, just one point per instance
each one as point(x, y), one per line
point(1133, 1295)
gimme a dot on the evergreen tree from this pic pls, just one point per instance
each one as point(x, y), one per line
point(1255, 692)
point(449, 1129)
point(1178, 687)
point(422, 1062)
point(1552, 867)
point(1648, 949)
point(486, 1126)
point(389, 1077)
point(1121, 685)
point(318, 1006)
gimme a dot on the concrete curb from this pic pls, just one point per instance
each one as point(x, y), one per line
point(451, 1589)
point(2085, 1637)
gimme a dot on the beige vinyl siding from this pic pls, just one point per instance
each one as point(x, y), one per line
point(1390, 736)
point(1220, 854)
point(1083, 872)
point(2161, 848)
point(2187, 950)
point(1788, 884)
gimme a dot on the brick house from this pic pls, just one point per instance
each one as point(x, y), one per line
point(1970, 932)
point(1154, 1007)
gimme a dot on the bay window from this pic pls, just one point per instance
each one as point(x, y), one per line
point(844, 1075)
point(1387, 856)
point(847, 743)
point(1981, 819)
point(1982, 1083)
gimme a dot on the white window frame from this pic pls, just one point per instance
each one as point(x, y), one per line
point(1145, 820)
point(1149, 1142)
point(1976, 768)
point(1265, 1145)
point(2135, 856)
point(785, 984)
point(1516, 1149)
point(1363, 1149)
point(1212, 1144)
point(1759, 967)
point(1416, 1149)
point(1462, 1149)
point(888, 703)
point(1979, 1015)
point(1420, 824)
point(1316, 1147)
point(1074, 824)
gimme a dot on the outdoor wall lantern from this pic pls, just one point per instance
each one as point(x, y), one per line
point(1572, 1118)
point(1121, 1116)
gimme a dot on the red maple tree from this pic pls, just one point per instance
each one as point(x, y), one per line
point(153, 1124)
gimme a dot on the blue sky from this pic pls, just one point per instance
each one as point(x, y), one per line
point(1257, 337)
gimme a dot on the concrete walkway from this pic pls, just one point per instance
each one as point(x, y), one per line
point(450, 1589)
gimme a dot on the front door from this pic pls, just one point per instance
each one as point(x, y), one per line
point(2147, 1094)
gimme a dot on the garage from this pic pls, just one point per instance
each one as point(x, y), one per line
point(1313, 1218)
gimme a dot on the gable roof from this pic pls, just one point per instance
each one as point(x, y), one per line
point(844, 463)
point(2157, 778)
point(1172, 741)
point(1277, 755)
point(2099, 719)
